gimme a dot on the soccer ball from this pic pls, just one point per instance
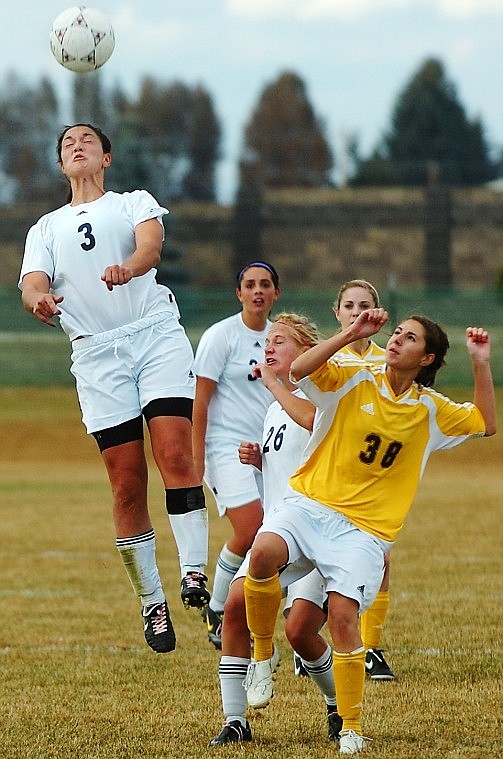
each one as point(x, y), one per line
point(82, 39)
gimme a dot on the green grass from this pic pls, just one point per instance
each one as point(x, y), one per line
point(79, 681)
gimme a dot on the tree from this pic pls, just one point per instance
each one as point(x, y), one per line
point(29, 124)
point(284, 138)
point(182, 137)
point(429, 127)
point(203, 148)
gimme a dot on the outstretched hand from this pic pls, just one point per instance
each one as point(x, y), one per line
point(478, 343)
point(369, 322)
point(45, 307)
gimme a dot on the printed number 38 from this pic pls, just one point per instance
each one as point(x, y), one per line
point(374, 442)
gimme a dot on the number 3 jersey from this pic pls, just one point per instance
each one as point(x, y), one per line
point(369, 448)
point(73, 245)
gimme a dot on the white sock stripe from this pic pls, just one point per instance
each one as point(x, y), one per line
point(135, 539)
point(230, 568)
point(232, 670)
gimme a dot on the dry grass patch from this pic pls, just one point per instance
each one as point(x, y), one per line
point(79, 681)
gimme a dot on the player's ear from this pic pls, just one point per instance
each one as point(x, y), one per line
point(427, 359)
point(107, 160)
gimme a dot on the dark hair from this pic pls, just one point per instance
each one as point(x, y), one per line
point(105, 141)
point(437, 342)
point(262, 264)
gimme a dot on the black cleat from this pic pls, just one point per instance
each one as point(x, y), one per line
point(233, 732)
point(158, 629)
point(376, 666)
point(213, 621)
point(194, 592)
point(334, 724)
point(298, 667)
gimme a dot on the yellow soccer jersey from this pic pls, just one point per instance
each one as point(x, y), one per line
point(374, 354)
point(369, 448)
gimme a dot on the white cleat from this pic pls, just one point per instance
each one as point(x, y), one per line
point(258, 683)
point(350, 742)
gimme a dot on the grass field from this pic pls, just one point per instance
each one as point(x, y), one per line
point(78, 681)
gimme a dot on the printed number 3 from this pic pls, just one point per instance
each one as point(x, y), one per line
point(90, 240)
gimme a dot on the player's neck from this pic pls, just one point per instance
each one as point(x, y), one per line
point(360, 346)
point(400, 381)
point(257, 322)
point(86, 189)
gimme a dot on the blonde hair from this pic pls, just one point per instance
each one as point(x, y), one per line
point(304, 331)
point(357, 283)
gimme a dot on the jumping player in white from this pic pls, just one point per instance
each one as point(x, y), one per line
point(229, 407)
point(91, 263)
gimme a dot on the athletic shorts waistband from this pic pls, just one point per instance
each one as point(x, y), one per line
point(126, 330)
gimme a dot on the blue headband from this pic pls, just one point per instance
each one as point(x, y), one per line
point(262, 265)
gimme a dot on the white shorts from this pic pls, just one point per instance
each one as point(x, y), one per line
point(120, 371)
point(288, 577)
point(232, 483)
point(309, 588)
point(350, 560)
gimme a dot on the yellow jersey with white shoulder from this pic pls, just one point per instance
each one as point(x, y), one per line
point(369, 448)
point(373, 354)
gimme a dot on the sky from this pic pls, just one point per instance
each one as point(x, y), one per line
point(354, 56)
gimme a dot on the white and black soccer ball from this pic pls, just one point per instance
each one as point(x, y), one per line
point(82, 39)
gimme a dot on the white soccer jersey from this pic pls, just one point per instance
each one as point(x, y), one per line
point(226, 354)
point(282, 446)
point(74, 244)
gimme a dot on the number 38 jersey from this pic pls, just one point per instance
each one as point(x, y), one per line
point(74, 244)
point(283, 444)
point(369, 448)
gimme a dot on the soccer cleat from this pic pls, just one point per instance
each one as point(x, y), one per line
point(258, 683)
point(350, 742)
point(334, 723)
point(213, 621)
point(298, 667)
point(376, 666)
point(194, 592)
point(233, 732)
point(158, 629)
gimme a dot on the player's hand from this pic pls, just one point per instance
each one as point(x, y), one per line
point(478, 343)
point(116, 275)
point(369, 322)
point(45, 307)
point(265, 373)
point(249, 453)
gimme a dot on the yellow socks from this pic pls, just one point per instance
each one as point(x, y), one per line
point(263, 598)
point(349, 676)
point(372, 621)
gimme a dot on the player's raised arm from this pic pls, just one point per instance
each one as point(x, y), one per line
point(479, 349)
point(367, 324)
